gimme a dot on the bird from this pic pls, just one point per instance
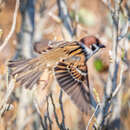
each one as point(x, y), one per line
point(68, 61)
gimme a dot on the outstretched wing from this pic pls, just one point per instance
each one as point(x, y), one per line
point(74, 81)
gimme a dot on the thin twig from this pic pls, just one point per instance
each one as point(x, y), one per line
point(124, 29)
point(120, 83)
point(114, 66)
point(90, 120)
point(39, 114)
point(64, 16)
point(48, 115)
point(54, 110)
point(5, 108)
point(61, 107)
point(12, 28)
point(62, 124)
point(108, 4)
point(62, 111)
point(7, 95)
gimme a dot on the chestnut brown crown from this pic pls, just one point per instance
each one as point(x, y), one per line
point(90, 40)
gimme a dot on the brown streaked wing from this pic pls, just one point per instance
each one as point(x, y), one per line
point(74, 84)
point(45, 45)
point(73, 48)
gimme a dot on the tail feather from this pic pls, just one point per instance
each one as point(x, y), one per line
point(33, 80)
point(20, 66)
point(24, 77)
point(21, 69)
point(28, 71)
point(17, 62)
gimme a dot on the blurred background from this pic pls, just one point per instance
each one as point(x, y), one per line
point(41, 20)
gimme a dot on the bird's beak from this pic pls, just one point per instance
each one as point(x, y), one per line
point(102, 46)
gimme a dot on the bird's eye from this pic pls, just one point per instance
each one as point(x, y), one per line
point(97, 44)
point(93, 47)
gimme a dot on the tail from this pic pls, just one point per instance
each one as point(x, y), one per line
point(27, 72)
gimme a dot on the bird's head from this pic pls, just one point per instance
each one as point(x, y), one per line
point(91, 45)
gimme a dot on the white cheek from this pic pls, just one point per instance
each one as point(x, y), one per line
point(88, 51)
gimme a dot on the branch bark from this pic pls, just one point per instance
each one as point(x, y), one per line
point(111, 89)
point(68, 31)
point(13, 26)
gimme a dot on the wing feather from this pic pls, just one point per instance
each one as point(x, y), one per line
point(71, 81)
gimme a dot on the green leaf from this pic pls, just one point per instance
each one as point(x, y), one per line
point(98, 65)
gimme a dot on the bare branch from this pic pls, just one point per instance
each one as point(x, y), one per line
point(62, 110)
point(61, 125)
point(13, 26)
point(108, 4)
point(54, 110)
point(48, 115)
point(6, 107)
point(25, 37)
point(7, 95)
point(120, 83)
point(39, 115)
point(64, 16)
point(114, 66)
point(124, 30)
point(90, 120)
